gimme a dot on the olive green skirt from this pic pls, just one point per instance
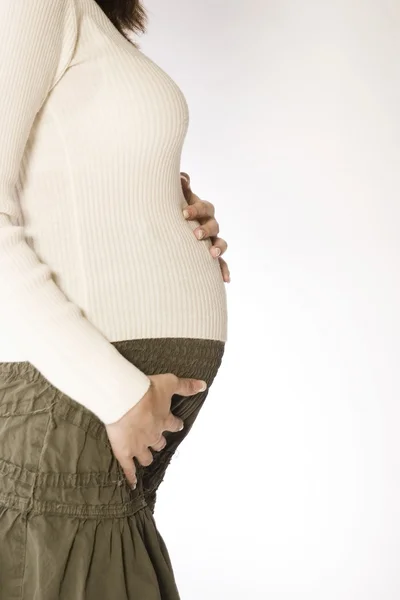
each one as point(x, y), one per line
point(70, 526)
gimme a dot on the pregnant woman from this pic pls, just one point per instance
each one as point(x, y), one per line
point(113, 314)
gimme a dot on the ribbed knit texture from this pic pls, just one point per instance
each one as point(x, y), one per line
point(93, 244)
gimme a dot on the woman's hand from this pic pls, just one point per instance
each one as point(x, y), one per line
point(203, 211)
point(143, 425)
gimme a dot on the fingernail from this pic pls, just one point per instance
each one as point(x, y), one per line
point(216, 252)
point(200, 234)
point(185, 178)
point(186, 214)
point(133, 487)
point(203, 387)
point(180, 429)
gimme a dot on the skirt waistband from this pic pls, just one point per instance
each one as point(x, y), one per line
point(55, 456)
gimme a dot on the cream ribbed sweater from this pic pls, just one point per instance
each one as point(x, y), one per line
point(93, 244)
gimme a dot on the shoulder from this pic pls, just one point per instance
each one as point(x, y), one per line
point(39, 34)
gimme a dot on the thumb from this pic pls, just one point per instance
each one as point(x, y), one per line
point(187, 386)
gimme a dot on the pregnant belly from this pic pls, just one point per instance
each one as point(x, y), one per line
point(152, 280)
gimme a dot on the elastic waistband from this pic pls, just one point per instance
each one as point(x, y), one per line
point(146, 354)
point(83, 511)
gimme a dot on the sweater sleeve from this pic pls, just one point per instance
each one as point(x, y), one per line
point(37, 39)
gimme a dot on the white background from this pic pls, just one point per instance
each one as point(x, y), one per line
point(288, 486)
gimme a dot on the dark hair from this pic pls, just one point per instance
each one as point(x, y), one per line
point(126, 16)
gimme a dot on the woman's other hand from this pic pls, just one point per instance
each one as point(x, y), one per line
point(204, 212)
point(143, 425)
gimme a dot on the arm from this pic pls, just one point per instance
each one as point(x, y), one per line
point(37, 39)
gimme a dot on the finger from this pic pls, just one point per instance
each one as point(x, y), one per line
point(173, 423)
point(128, 466)
point(145, 457)
point(187, 192)
point(224, 270)
point(207, 229)
point(185, 178)
point(219, 247)
point(199, 209)
point(160, 444)
point(185, 386)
